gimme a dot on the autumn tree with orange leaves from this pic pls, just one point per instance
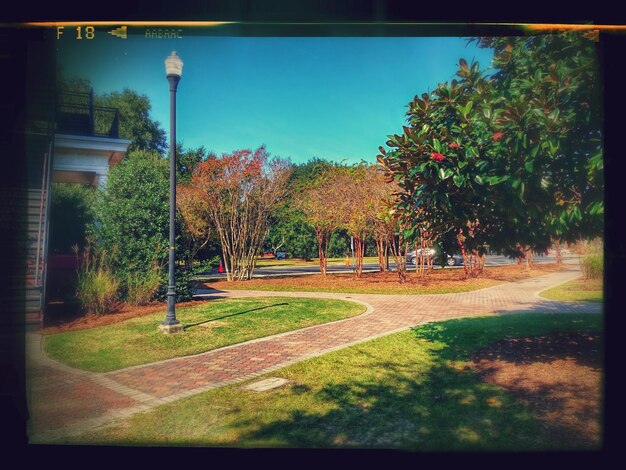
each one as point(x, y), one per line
point(320, 204)
point(363, 190)
point(197, 229)
point(239, 192)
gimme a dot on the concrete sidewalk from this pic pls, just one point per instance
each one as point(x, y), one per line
point(64, 401)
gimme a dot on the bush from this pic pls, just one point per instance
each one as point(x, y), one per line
point(592, 265)
point(97, 286)
point(206, 265)
point(133, 214)
point(71, 213)
point(184, 285)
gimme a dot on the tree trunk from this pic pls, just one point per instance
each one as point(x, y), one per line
point(559, 255)
point(358, 269)
point(321, 251)
point(381, 248)
point(481, 263)
point(528, 255)
point(460, 238)
point(399, 256)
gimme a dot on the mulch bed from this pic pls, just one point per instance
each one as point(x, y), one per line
point(72, 321)
point(559, 376)
point(63, 318)
point(439, 278)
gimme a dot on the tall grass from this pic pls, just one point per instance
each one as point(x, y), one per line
point(592, 265)
point(141, 288)
point(97, 286)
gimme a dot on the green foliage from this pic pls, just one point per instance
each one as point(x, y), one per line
point(71, 214)
point(304, 174)
point(133, 214)
point(187, 160)
point(134, 113)
point(592, 265)
point(289, 229)
point(510, 158)
point(97, 285)
point(135, 122)
point(290, 233)
point(183, 279)
point(205, 265)
point(133, 225)
point(339, 244)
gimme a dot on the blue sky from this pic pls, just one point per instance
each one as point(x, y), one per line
point(335, 98)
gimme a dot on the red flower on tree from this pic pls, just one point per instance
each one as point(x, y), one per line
point(437, 157)
point(453, 145)
point(498, 136)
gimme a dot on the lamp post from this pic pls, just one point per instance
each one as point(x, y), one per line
point(173, 71)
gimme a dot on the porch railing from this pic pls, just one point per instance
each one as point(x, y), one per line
point(77, 114)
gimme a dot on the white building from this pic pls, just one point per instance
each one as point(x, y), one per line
point(83, 145)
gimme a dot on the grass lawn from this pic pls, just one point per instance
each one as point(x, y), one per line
point(210, 325)
point(441, 281)
point(414, 390)
point(578, 290)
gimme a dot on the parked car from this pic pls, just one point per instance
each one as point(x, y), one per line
point(281, 255)
point(451, 260)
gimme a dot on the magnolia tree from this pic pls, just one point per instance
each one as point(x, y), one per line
point(239, 191)
point(436, 162)
point(513, 159)
point(547, 111)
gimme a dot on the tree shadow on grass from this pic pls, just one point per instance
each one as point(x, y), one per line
point(445, 410)
point(190, 325)
point(435, 405)
point(585, 348)
point(555, 306)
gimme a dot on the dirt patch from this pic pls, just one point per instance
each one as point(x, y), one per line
point(432, 280)
point(559, 376)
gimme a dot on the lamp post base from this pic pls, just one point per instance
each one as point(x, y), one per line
point(170, 329)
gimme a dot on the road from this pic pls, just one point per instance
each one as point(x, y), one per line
point(492, 260)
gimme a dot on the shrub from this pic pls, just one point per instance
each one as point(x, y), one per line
point(97, 285)
point(71, 213)
point(184, 285)
point(205, 265)
point(133, 214)
point(592, 265)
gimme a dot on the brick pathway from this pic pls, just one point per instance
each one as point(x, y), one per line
point(65, 401)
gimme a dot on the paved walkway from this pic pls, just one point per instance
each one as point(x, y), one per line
point(66, 401)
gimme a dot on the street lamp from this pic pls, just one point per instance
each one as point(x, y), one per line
point(173, 71)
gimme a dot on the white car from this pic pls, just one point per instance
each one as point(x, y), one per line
point(451, 260)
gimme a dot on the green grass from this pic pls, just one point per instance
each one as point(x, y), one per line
point(578, 290)
point(409, 390)
point(211, 325)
